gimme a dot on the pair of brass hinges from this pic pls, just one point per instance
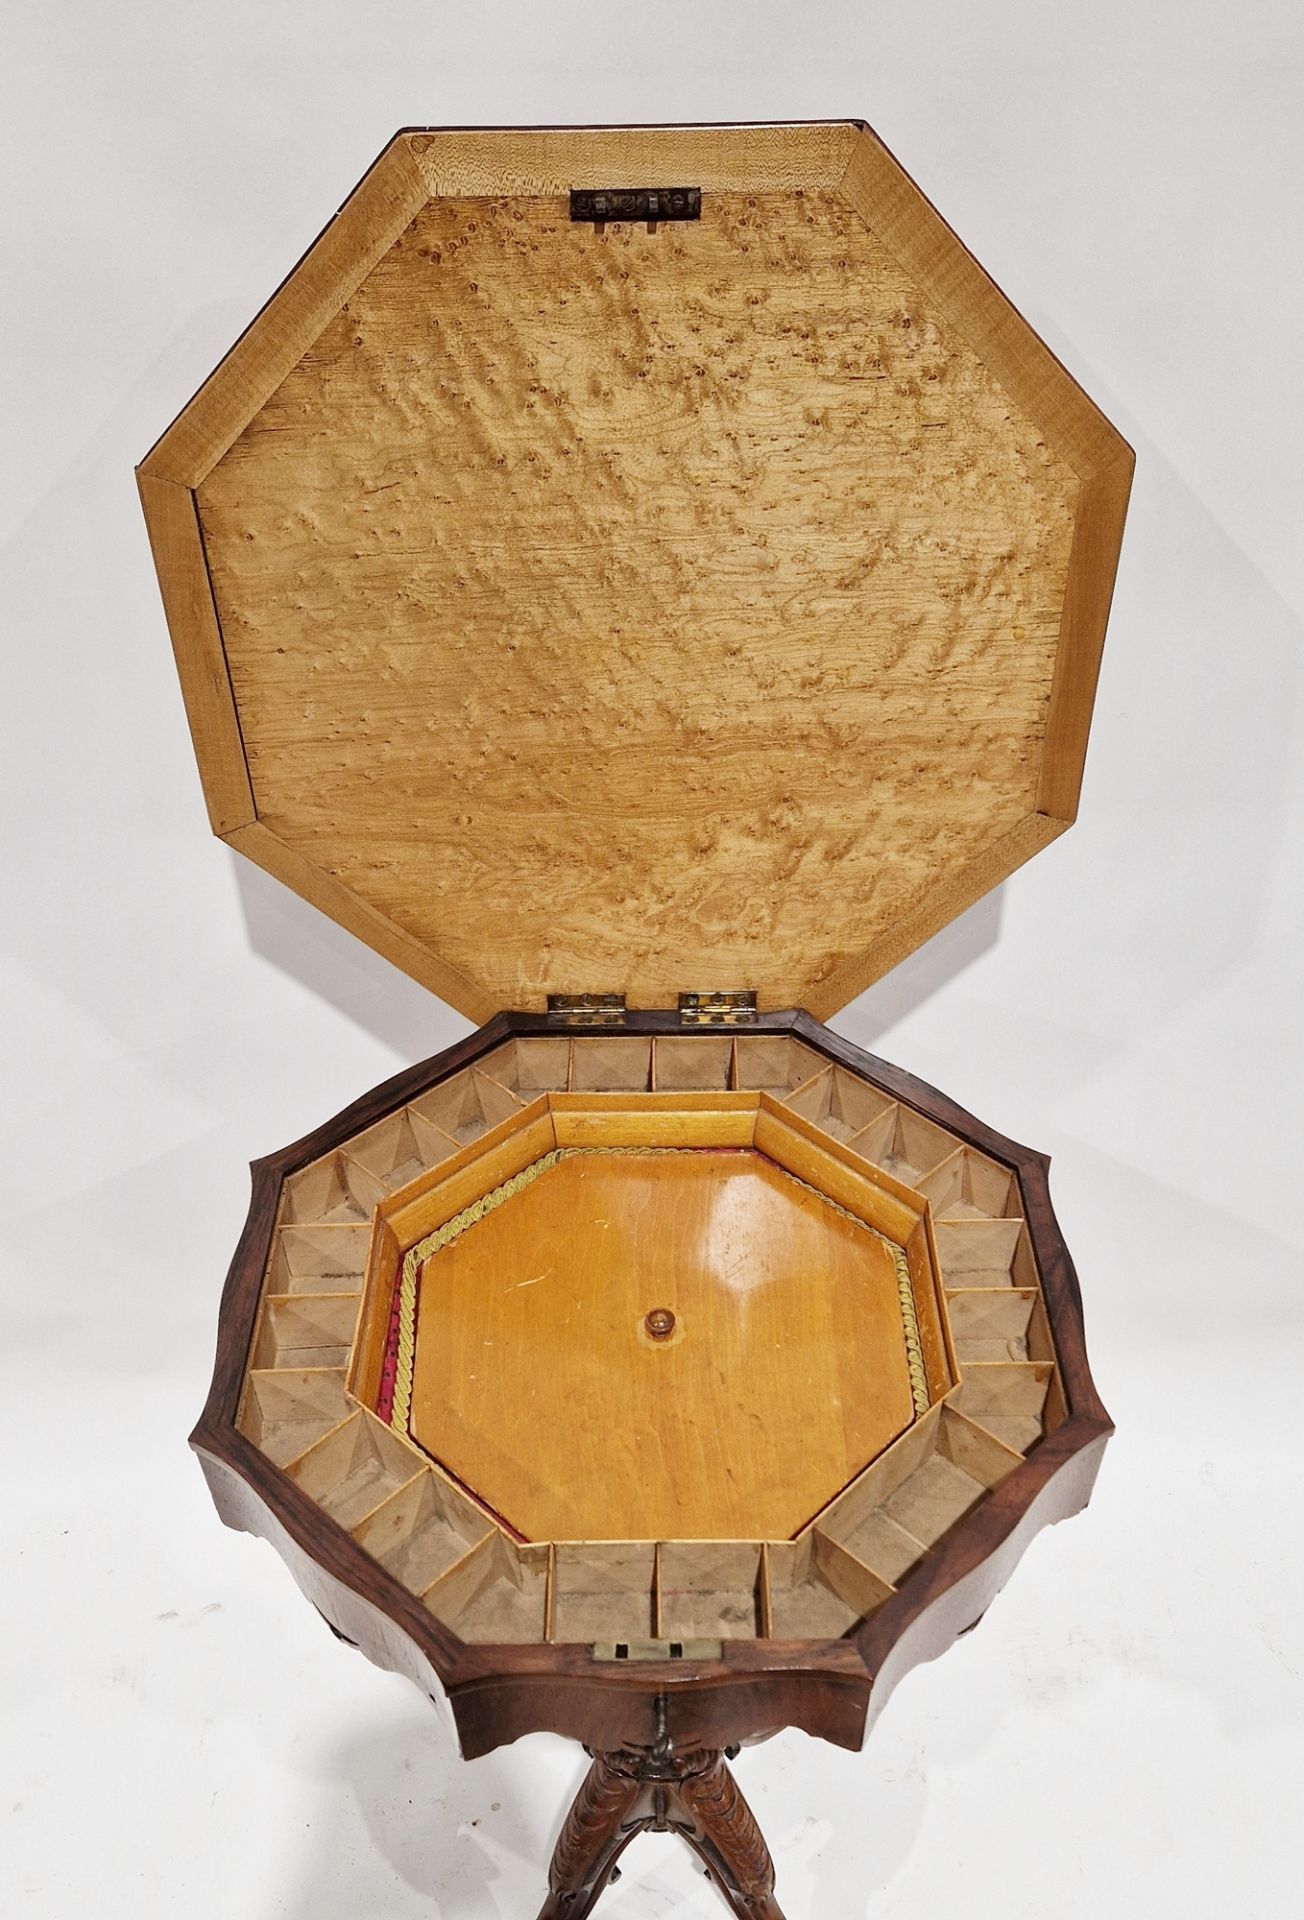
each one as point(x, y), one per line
point(735, 1007)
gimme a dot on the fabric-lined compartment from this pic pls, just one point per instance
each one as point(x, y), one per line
point(1018, 1401)
point(466, 1106)
point(422, 1530)
point(913, 1148)
point(991, 1323)
point(528, 1067)
point(773, 1063)
point(354, 1468)
point(692, 1063)
point(810, 1596)
point(969, 1186)
point(842, 1105)
point(286, 1413)
point(710, 1590)
point(979, 1253)
point(496, 1595)
point(333, 1190)
point(317, 1259)
point(305, 1330)
point(621, 1063)
point(913, 1495)
point(603, 1591)
point(401, 1148)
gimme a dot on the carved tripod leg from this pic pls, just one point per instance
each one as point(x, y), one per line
point(604, 1819)
point(718, 1823)
point(692, 1794)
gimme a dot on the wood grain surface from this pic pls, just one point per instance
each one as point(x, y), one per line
point(601, 608)
point(628, 610)
point(537, 1383)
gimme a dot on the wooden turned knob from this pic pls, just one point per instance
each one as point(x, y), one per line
point(660, 1323)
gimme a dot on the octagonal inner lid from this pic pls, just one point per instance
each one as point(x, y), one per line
point(639, 607)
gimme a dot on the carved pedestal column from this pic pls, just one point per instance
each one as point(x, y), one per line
point(693, 1794)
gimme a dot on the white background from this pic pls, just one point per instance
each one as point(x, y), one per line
point(1124, 1733)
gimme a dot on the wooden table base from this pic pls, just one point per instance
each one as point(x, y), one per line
point(693, 1794)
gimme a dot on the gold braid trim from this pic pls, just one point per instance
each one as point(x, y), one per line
point(415, 1257)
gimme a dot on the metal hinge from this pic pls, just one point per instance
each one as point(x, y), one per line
point(601, 204)
point(586, 1009)
point(734, 1008)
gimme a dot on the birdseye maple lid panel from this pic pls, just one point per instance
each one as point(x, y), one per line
point(632, 610)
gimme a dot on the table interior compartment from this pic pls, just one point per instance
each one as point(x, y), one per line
point(810, 1596)
point(710, 1590)
point(422, 1530)
point(611, 1063)
point(530, 1065)
point(333, 1190)
point(967, 1185)
point(603, 1590)
point(354, 1468)
point(305, 1330)
point(841, 1104)
point(773, 1063)
point(1018, 1401)
point(466, 1106)
point(693, 1063)
point(913, 1148)
point(400, 1148)
point(319, 1259)
point(285, 1413)
point(903, 1504)
point(991, 1323)
point(496, 1595)
point(980, 1253)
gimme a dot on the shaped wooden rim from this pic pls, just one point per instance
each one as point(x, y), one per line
point(499, 1693)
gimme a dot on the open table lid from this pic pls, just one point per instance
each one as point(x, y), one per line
point(567, 606)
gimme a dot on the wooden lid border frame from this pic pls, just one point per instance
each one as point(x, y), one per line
point(840, 163)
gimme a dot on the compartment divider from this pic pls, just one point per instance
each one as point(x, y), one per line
point(1015, 1400)
point(404, 1486)
point(432, 1139)
point(284, 1412)
point(336, 1190)
point(355, 1468)
point(992, 1323)
point(765, 1623)
point(987, 1247)
point(330, 1432)
point(848, 1576)
point(550, 1596)
point(460, 1583)
point(872, 1140)
point(808, 1089)
point(421, 1529)
point(285, 1333)
point(521, 1065)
